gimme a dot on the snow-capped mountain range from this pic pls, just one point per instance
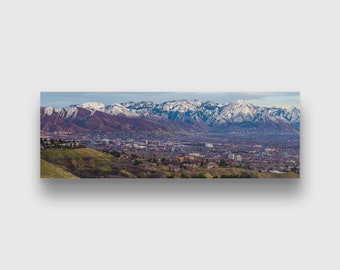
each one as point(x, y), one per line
point(194, 113)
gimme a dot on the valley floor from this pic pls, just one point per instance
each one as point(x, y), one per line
point(82, 162)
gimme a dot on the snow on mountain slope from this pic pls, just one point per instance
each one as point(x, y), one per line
point(209, 113)
point(117, 109)
point(92, 105)
point(49, 110)
point(239, 111)
point(143, 108)
point(62, 112)
point(180, 106)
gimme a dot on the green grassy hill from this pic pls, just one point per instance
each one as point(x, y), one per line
point(82, 162)
point(89, 163)
point(48, 170)
point(226, 173)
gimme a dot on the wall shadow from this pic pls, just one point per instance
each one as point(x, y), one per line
point(170, 188)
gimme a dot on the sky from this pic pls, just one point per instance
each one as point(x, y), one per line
point(268, 99)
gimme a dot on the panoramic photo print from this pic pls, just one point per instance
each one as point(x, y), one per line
point(203, 135)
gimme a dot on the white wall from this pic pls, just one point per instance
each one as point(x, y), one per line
point(169, 46)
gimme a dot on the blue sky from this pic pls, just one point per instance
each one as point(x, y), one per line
point(64, 99)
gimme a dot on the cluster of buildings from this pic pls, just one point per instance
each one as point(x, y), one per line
point(232, 156)
point(258, 153)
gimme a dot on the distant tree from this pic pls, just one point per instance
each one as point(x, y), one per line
point(222, 163)
point(230, 176)
point(115, 154)
point(200, 175)
point(294, 170)
point(165, 161)
point(183, 165)
point(245, 175)
point(137, 162)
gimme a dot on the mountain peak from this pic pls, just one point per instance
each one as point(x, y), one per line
point(117, 108)
point(243, 102)
point(92, 105)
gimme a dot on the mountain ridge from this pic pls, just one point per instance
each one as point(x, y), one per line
point(175, 115)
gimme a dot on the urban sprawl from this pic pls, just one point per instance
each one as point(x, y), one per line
point(274, 153)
